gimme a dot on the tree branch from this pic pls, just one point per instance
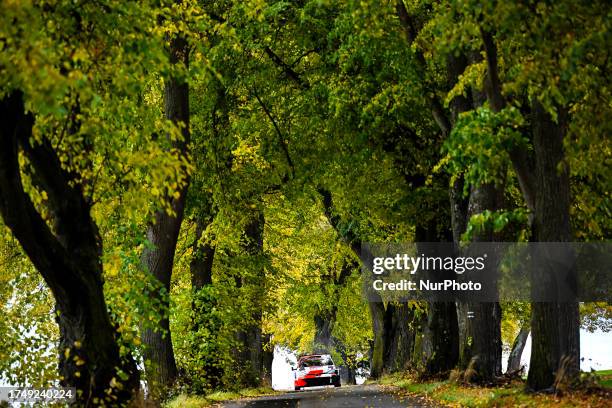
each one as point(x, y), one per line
point(286, 68)
point(410, 32)
point(519, 157)
point(16, 208)
point(282, 141)
point(492, 83)
point(348, 237)
point(74, 226)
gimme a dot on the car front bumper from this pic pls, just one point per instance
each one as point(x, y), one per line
point(317, 381)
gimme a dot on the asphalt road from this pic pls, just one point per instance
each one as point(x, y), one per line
point(356, 396)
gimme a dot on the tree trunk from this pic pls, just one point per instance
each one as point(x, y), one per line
point(440, 331)
point(480, 346)
point(555, 330)
point(203, 306)
point(325, 318)
point(201, 265)
point(69, 259)
point(324, 321)
point(348, 366)
point(479, 336)
point(351, 377)
point(400, 338)
point(250, 337)
point(514, 359)
point(377, 312)
point(442, 338)
point(268, 358)
point(163, 234)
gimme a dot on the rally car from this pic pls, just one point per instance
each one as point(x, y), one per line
point(316, 370)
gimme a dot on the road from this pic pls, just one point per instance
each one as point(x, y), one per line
point(356, 396)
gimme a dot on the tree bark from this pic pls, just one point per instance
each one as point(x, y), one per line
point(201, 265)
point(514, 359)
point(69, 259)
point(203, 305)
point(325, 318)
point(439, 345)
point(324, 321)
point(544, 184)
point(480, 346)
point(348, 366)
point(268, 358)
point(163, 234)
point(400, 340)
point(377, 313)
point(442, 339)
point(555, 327)
point(251, 339)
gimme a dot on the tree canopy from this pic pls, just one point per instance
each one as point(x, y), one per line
point(185, 185)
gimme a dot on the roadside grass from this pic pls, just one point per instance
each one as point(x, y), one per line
point(198, 401)
point(511, 395)
point(605, 378)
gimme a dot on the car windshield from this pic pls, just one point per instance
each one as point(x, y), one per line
point(317, 361)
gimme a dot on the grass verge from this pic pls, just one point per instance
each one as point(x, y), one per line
point(197, 401)
point(511, 395)
point(605, 378)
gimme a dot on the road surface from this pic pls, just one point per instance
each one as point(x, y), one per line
point(356, 396)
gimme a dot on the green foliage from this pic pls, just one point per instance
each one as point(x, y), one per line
point(479, 142)
point(27, 327)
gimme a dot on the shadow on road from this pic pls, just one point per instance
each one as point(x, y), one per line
point(359, 396)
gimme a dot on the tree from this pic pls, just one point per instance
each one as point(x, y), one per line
point(538, 148)
point(480, 336)
point(67, 256)
point(66, 112)
point(162, 233)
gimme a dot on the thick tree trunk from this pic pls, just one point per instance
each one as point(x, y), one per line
point(255, 346)
point(545, 187)
point(480, 335)
point(442, 334)
point(377, 313)
point(382, 326)
point(480, 346)
point(69, 259)
point(486, 349)
point(440, 331)
point(514, 359)
point(554, 326)
point(159, 354)
point(163, 235)
point(399, 345)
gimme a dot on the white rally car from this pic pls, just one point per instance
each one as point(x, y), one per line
point(316, 370)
